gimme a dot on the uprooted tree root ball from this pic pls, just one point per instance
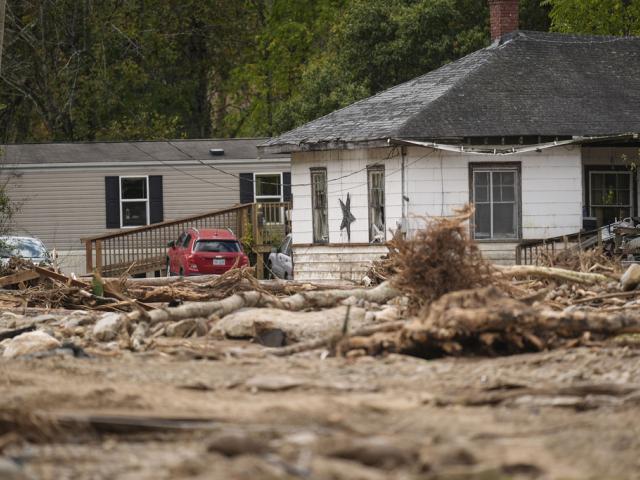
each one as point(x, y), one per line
point(439, 259)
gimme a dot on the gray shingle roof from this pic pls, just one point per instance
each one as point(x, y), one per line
point(528, 83)
point(108, 152)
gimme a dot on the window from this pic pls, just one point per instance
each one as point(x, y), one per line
point(134, 201)
point(495, 194)
point(268, 187)
point(216, 246)
point(610, 195)
point(319, 205)
point(375, 181)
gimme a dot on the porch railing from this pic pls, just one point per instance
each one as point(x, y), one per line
point(144, 249)
point(531, 252)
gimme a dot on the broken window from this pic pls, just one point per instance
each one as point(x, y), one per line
point(610, 195)
point(375, 181)
point(134, 201)
point(319, 205)
point(496, 198)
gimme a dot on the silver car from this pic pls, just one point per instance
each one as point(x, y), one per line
point(280, 263)
point(27, 248)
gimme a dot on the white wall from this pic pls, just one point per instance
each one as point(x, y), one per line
point(437, 182)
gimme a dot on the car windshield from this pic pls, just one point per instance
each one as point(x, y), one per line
point(22, 247)
point(216, 246)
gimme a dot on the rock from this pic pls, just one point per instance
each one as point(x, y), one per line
point(273, 383)
point(30, 342)
point(44, 318)
point(374, 452)
point(106, 329)
point(10, 470)
point(631, 278)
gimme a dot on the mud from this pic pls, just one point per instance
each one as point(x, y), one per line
point(566, 414)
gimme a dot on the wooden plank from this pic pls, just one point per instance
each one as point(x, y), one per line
point(18, 277)
point(45, 272)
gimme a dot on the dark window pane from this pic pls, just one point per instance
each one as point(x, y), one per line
point(596, 197)
point(216, 246)
point(481, 178)
point(508, 194)
point(504, 224)
point(623, 180)
point(507, 178)
point(596, 180)
point(134, 188)
point(623, 197)
point(134, 214)
point(483, 221)
point(497, 193)
point(482, 194)
point(268, 185)
point(186, 241)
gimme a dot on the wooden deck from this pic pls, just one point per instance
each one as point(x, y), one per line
point(143, 249)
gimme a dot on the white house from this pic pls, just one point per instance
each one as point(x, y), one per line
point(538, 130)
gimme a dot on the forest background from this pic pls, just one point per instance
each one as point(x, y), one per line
point(84, 70)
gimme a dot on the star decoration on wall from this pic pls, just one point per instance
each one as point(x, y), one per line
point(347, 216)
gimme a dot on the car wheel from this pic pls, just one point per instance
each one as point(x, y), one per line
point(269, 272)
point(286, 276)
point(168, 268)
point(181, 272)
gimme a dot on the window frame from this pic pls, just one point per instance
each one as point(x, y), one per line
point(314, 171)
point(616, 171)
point(255, 195)
point(130, 200)
point(377, 168)
point(515, 167)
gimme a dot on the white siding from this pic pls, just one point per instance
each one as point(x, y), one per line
point(437, 183)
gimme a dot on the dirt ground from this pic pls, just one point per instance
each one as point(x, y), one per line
point(566, 414)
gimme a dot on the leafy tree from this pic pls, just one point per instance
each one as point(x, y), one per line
point(377, 44)
point(598, 17)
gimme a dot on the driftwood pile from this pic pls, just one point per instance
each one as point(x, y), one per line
point(441, 298)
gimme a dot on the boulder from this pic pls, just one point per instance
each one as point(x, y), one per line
point(106, 329)
point(631, 278)
point(30, 342)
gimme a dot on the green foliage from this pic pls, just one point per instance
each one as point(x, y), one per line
point(598, 17)
point(132, 69)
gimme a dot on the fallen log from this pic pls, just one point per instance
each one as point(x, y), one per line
point(552, 274)
point(334, 338)
point(316, 299)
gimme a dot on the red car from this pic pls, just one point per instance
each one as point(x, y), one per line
point(204, 251)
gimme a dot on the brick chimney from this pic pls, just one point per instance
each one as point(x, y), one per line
point(504, 17)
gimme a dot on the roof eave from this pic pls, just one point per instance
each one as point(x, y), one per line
point(323, 145)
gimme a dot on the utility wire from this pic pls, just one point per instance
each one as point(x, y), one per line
point(225, 187)
point(267, 183)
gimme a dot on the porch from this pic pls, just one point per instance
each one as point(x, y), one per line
point(142, 250)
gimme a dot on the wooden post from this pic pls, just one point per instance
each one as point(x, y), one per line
point(88, 252)
point(2, 17)
point(99, 255)
point(566, 241)
point(600, 239)
point(254, 225)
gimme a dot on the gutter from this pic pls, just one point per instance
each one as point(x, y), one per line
point(510, 150)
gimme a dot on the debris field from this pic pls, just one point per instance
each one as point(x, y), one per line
point(448, 368)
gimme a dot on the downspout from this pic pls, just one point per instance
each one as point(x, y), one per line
point(405, 199)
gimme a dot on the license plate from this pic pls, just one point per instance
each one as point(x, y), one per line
point(218, 261)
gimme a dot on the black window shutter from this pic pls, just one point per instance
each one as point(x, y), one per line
point(156, 206)
point(112, 201)
point(246, 188)
point(286, 186)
